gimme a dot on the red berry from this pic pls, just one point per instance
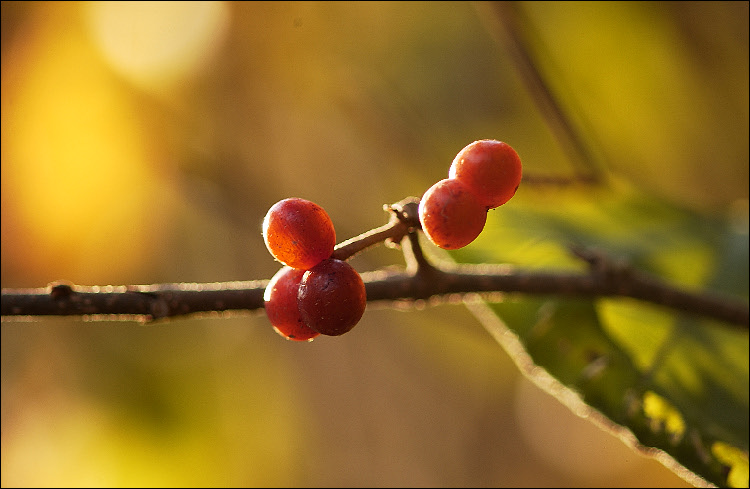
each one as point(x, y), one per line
point(280, 298)
point(491, 169)
point(451, 215)
point(332, 297)
point(298, 233)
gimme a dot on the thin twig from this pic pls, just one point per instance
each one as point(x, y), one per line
point(404, 219)
point(512, 30)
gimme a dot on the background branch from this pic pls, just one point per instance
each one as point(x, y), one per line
point(513, 31)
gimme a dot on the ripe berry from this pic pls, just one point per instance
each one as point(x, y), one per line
point(451, 215)
point(332, 297)
point(491, 169)
point(280, 298)
point(298, 233)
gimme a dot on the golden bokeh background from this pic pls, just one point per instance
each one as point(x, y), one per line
point(143, 142)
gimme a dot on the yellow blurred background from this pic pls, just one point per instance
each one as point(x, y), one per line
point(143, 142)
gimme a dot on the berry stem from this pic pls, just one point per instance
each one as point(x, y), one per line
point(404, 219)
point(413, 256)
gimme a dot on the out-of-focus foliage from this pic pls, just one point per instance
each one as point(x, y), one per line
point(622, 356)
point(143, 142)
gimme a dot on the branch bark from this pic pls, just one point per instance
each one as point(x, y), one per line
point(151, 302)
point(420, 280)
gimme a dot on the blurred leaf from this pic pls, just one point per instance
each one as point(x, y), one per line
point(679, 384)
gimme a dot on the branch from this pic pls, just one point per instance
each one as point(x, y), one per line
point(420, 280)
point(513, 30)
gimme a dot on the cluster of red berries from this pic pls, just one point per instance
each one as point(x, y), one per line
point(313, 293)
point(316, 294)
point(484, 175)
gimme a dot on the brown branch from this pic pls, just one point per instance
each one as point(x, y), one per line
point(421, 280)
point(624, 282)
point(133, 302)
point(150, 302)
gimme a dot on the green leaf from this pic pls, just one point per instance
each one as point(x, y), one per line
point(678, 383)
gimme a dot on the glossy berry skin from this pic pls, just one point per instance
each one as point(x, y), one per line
point(490, 168)
point(450, 214)
point(298, 233)
point(332, 297)
point(280, 298)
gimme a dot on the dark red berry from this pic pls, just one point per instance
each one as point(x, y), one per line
point(332, 297)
